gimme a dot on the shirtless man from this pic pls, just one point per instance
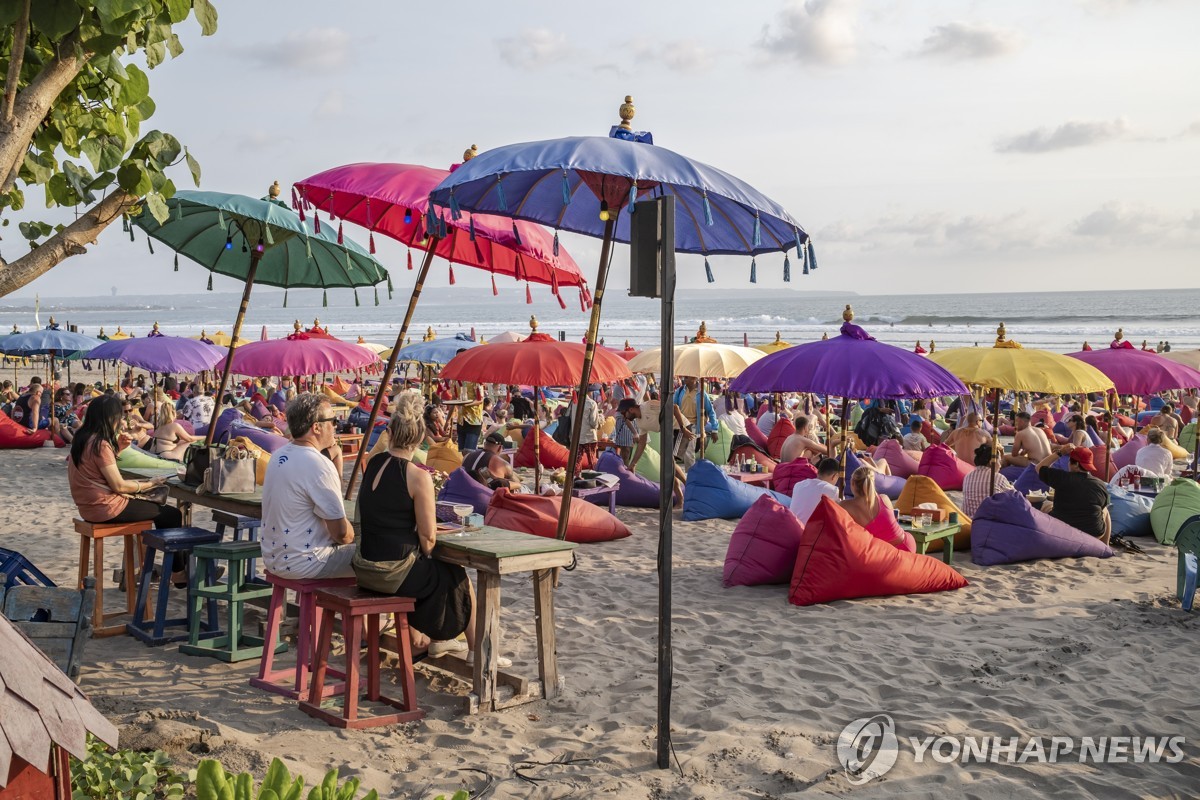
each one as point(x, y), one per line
point(1168, 421)
point(800, 444)
point(964, 440)
point(1030, 445)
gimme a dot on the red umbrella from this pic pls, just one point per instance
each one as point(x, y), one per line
point(394, 200)
point(539, 360)
point(317, 332)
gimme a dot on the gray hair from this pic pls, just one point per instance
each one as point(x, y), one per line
point(303, 411)
point(407, 426)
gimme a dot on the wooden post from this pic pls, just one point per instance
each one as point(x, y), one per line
point(391, 366)
point(842, 454)
point(585, 378)
point(666, 497)
point(995, 440)
point(255, 257)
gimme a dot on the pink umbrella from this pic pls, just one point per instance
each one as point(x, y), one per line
point(300, 354)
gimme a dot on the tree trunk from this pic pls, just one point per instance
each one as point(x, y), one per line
point(68, 242)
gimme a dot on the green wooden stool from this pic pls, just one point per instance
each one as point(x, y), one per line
point(231, 644)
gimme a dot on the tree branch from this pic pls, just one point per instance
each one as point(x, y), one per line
point(16, 60)
point(68, 242)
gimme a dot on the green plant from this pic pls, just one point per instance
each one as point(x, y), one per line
point(123, 775)
point(213, 783)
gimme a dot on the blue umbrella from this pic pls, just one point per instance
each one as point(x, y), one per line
point(48, 342)
point(437, 351)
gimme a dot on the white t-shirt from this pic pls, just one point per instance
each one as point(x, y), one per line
point(301, 490)
point(1155, 458)
point(735, 421)
point(807, 493)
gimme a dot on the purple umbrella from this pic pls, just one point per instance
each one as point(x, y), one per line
point(160, 353)
point(300, 354)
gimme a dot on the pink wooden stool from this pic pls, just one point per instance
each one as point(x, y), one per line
point(291, 681)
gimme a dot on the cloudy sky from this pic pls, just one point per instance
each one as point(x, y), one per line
point(938, 146)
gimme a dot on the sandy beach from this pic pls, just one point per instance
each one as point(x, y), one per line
point(1077, 647)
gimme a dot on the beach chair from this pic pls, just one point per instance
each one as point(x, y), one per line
point(20, 569)
point(58, 621)
point(1188, 544)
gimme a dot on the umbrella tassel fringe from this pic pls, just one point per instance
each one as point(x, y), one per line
point(285, 294)
point(452, 281)
point(812, 255)
point(516, 233)
point(757, 230)
point(753, 271)
point(177, 262)
point(787, 269)
point(455, 211)
point(561, 303)
point(316, 221)
point(376, 295)
point(500, 194)
point(409, 263)
point(556, 244)
point(340, 238)
point(356, 298)
point(371, 243)
point(324, 298)
point(528, 296)
point(708, 217)
point(708, 273)
point(389, 287)
point(471, 228)
point(566, 189)
point(210, 281)
point(495, 291)
point(632, 195)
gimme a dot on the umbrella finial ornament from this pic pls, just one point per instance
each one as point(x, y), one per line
point(627, 110)
point(274, 191)
point(1120, 334)
point(429, 334)
point(101, 330)
point(533, 323)
point(778, 337)
point(825, 336)
point(702, 334)
point(470, 153)
point(1000, 333)
point(848, 314)
point(932, 346)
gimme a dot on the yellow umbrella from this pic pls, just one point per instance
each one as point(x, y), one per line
point(1189, 358)
point(1008, 365)
point(375, 348)
point(220, 338)
point(778, 344)
point(120, 334)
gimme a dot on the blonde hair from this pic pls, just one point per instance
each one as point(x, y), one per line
point(862, 482)
point(166, 414)
point(407, 426)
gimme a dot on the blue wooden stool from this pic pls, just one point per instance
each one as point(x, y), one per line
point(240, 524)
point(18, 569)
point(168, 542)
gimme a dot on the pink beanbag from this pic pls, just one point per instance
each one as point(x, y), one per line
point(789, 473)
point(539, 515)
point(763, 547)
point(755, 433)
point(902, 463)
point(14, 435)
point(945, 468)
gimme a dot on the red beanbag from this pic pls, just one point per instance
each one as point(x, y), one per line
point(755, 433)
point(554, 455)
point(779, 434)
point(15, 436)
point(1104, 465)
point(749, 453)
point(763, 546)
point(839, 560)
point(903, 465)
point(947, 470)
point(789, 473)
point(538, 515)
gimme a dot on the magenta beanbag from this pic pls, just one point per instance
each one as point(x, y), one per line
point(789, 473)
point(902, 463)
point(1127, 453)
point(947, 470)
point(764, 544)
point(755, 433)
point(462, 488)
point(634, 491)
point(1006, 529)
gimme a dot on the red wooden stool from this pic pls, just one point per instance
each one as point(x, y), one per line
point(291, 681)
point(352, 604)
point(91, 548)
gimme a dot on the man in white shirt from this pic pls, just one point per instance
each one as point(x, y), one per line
point(808, 493)
point(199, 408)
point(1153, 457)
point(305, 533)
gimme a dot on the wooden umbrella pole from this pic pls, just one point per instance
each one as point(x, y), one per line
point(995, 439)
point(391, 367)
point(842, 455)
point(1112, 414)
point(537, 442)
point(255, 257)
point(702, 420)
point(585, 378)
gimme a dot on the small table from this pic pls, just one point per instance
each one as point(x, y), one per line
point(350, 442)
point(599, 491)
point(754, 478)
point(945, 531)
point(493, 552)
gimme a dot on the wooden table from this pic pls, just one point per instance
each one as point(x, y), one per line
point(350, 443)
point(493, 552)
point(931, 533)
point(754, 478)
point(599, 491)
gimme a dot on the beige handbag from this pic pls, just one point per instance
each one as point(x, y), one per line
point(233, 473)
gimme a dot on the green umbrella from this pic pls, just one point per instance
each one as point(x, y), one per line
point(258, 241)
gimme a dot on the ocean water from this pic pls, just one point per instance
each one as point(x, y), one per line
point(1058, 321)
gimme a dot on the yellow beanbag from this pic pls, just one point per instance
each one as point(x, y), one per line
point(444, 457)
point(335, 398)
point(922, 489)
point(1177, 452)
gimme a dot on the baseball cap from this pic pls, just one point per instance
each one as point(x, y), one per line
point(626, 404)
point(495, 437)
point(1083, 457)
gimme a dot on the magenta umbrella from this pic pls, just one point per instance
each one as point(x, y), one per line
point(299, 354)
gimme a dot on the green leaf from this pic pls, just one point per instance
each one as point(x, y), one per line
point(78, 179)
point(155, 54)
point(10, 11)
point(158, 207)
point(211, 783)
point(177, 10)
point(146, 109)
point(136, 87)
point(54, 19)
point(102, 181)
point(133, 178)
point(39, 167)
point(59, 191)
point(206, 15)
point(113, 10)
point(193, 167)
point(174, 46)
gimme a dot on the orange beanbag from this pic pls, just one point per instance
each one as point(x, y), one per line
point(554, 455)
point(779, 434)
point(839, 560)
point(14, 435)
point(921, 489)
point(539, 515)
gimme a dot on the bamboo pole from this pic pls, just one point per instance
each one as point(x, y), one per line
point(995, 439)
point(255, 257)
point(391, 365)
point(845, 416)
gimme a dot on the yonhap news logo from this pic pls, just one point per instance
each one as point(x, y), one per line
point(869, 747)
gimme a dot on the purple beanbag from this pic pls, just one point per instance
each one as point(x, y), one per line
point(1028, 481)
point(265, 439)
point(789, 473)
point(186, 424)
point(711, 494)
point(947, 469)
point(634, 491)
point(1012, 472)
point(462, 488)
point(1127, 453)
point(903, 465)
point(223, 422)
point(889, 485)
point(1006, 529)
point(764, 544)
point(259, 409)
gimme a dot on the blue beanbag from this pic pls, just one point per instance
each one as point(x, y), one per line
point(1006, 529)
point(462, 488)
point(890, 485)
point(634, 491)
point(1130, 512)
point(711, 494)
